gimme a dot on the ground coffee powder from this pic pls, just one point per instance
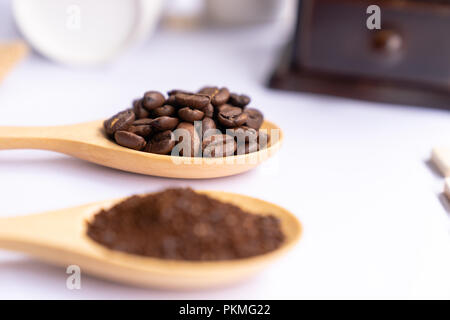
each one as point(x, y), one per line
point(181, 224)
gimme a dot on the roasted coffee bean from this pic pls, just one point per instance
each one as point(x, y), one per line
point(209, 111)
point(142, 122)
point(165, 110)
point(120, 121)
point(144, 130)
point(239, 100)
point(190, 115)
point(216, 107)
point(153, 100)
point(230, 116)
point(246, 139)
point(243, 134)
point(129, 140)
point(209, 91)
point(171, 101)
point(250, 147)
point(218, 145)
point(139, 110)
point(161, 143)
point(208, 124)
point(263, 139)
point(195, 139)
point(165, 123)
point(175, 91)
point(247, 147)
point(221, 97)
point(196, 101)
point(255, 118)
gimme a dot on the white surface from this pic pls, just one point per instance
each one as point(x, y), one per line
point(83, 31)
point(355, 173)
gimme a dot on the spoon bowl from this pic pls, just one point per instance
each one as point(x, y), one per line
point(59, 237)
point(88, 141)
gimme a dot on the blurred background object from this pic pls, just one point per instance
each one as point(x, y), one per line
point(186, 14)
point(331, 52)
point(183, 14)
point(238, 12)
point(83, 31)
point(11, 53)
point(407, 61)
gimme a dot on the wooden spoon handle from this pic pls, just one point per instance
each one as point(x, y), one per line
point(441, 158)
point(25, 235)
point(47, 138)
point(34, 229)
point(83, 140)
point(12, 231)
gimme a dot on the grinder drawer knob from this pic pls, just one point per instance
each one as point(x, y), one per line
point(387, 41)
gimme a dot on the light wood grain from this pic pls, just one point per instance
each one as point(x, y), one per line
point(87, 141)
point(447, 188)
point(59, 237)
point(11, 53)
point(441, 159)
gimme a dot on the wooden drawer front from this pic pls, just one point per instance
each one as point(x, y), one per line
point(412, 45)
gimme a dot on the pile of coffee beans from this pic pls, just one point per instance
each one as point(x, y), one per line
point(218, 124)
point(181, 224)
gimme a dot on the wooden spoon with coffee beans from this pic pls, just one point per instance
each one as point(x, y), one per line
point(88, 141)
point(59, 237)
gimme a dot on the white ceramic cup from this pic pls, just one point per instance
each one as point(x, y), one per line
point(85, 32)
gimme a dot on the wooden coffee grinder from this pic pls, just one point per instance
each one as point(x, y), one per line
point(405, 61)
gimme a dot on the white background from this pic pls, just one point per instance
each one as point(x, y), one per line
point(355, 173)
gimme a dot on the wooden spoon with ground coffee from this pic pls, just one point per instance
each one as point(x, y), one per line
point(186, 240)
